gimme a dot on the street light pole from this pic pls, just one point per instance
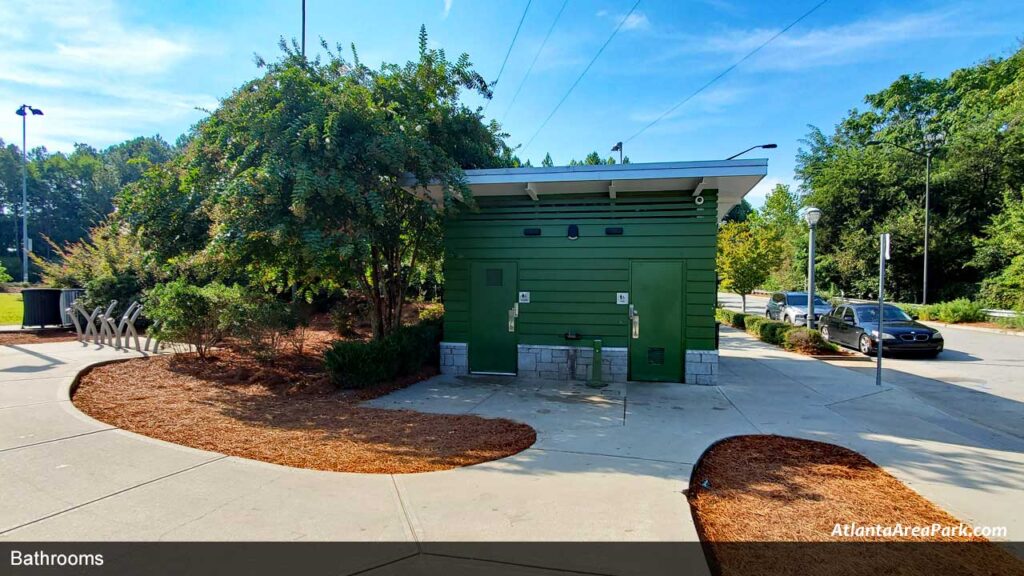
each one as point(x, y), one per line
point(927, 212)
point(765, 146)
point(812, 215)
point(927, 155)
point(24, 111)
point(24, 200)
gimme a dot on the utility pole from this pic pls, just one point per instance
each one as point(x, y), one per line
point(883, 255)
point(927, 211)
point(24, 111)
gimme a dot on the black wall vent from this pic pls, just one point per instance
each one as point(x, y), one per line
point(615, 231)
point(531, 231)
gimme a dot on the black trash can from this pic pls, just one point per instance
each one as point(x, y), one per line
point(41, 307)
point(67, 299)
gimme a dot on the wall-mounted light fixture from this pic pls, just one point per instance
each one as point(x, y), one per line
point(531, 231)
point(574, 231)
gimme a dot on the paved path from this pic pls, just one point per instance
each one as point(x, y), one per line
point(606, 467)
point(979, 376)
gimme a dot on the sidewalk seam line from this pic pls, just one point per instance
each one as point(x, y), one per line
point(59, 439)
point(610, 456)
point(405, 514)
point(111, 495)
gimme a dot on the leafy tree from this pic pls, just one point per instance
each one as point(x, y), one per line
point(547, 161)
point(744, 258)
point(739, 212)
point(315, 175)
point(971, 122)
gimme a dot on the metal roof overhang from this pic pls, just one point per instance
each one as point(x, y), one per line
point(732, 178)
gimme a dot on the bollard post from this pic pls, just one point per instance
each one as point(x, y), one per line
point(596, 377)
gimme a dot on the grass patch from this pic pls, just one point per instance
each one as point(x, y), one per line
point(10, 308)
point(758, 502)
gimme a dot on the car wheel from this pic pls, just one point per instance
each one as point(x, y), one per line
point(768, 314)
point(824, 334)
point(865, 344)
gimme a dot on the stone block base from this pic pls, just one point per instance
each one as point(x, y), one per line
point(701, 367)
point(571, 362)
point(454, 358)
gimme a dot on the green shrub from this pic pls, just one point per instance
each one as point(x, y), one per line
point(432, 311)
point(358, 364)
point(807, 341)
point(1013, 323)
point(260, 320)
point(194, 315)
point(731, 317)
point(752, 324)
point(773, 331)
point(953, 312)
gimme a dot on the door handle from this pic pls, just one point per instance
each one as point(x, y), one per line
point(632, 311)
point(511, 320)
point(635, 320)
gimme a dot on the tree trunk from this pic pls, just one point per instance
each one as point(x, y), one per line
point(743, 297)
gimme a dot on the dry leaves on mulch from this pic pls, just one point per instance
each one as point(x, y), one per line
point(286, 412)
point(772, 503)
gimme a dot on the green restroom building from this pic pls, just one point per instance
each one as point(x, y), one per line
point(556, 258)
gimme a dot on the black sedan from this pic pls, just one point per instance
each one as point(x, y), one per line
point(856, 326)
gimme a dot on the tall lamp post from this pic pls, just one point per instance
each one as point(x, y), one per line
point(765, 146)
point(24, 111)
point(618, 148)
point(811, 216)
point(927, 155)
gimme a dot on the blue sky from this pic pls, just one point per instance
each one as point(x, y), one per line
point(106, 70)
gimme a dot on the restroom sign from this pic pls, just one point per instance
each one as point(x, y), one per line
point(622, 297)
point(524, 297)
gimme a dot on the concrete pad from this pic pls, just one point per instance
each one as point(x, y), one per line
point(536, 496)
point(38, 481)
point(35, 423)
point(233, 499)
point(34, 391)
point(666, 422)
point(446, 394)
point(552, 409)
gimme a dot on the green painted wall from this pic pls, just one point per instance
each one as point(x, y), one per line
point(573, 282)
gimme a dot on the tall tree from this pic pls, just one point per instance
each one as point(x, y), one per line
point(744, 258)
point(315, 174)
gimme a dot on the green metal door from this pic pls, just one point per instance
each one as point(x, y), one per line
point(492, 304)
point(656, 321)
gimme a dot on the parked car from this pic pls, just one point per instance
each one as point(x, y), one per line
point(792, 307)
point(856, 326)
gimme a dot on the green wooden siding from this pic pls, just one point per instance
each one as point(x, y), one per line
point(572, 283)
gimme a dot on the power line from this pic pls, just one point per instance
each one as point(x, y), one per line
point(727, 70)
point(509, 52)
point(535, 58)
point(584, 73)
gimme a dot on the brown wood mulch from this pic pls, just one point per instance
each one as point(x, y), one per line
point(286, 412)
point(770, 504)
point(41, 337)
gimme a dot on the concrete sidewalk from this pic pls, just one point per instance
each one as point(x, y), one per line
point(609, 466)
point(65, 476)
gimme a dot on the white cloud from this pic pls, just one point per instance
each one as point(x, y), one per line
point(447, 9)
point(99, 78)
point(635, 20)
point(830, 45)
point(711, 101)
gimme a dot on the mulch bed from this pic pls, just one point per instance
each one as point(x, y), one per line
point(286, 412)
point(41, 337)
point(769, 505)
